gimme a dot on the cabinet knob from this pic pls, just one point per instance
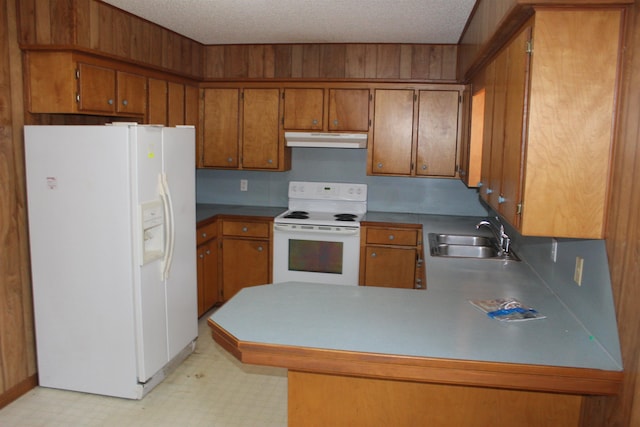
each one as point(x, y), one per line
point(201, 256)
point(391, 237)
point(335, 122)
point(489, 191)
point(424, 167)
point(373, 255)
point(314, 122)
point(230, 159)
point(245, 229)
point(204, 234)
point(208, 252)
point(110, 101)
point(501, 199)
point(270, 161)
point(379, 165)
point(259, 248)
point(125, 102)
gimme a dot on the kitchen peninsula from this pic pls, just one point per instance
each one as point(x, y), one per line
point(382, 356)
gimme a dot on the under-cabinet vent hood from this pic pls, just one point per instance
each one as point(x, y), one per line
point(326, 140)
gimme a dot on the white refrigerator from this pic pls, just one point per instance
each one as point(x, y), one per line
point(113, 254)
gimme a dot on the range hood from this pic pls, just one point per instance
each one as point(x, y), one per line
point(326, 140)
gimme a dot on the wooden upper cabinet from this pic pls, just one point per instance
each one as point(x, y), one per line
point(260, 128)
point(391, 150)
point(437, 132)
point(303, 109)
point(349, 110)
point(96, 88)
point(551, 123)
point(157, 112)
point(64, 82)
point(310, 109)
point(242, 129)
point(175, 104)
point(220, 142)
point(132, 93)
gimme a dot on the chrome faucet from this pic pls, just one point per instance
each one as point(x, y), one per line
point(497, 229)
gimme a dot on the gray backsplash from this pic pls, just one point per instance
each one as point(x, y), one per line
point(392, 194)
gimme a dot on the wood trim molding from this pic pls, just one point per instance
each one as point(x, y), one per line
point(18, 390)
point(422, 369)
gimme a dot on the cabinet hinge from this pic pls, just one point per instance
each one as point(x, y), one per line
point(529, 47)
point(77, 73)
point(519, 209)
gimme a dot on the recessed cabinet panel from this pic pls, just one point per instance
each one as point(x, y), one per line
point(349, 110)
point(392, 132)
point(260, 129)
point(437, 133)
point(96, 88)
point(157, 114)
point(220, 130)
point(132, 93)
point(303, 109)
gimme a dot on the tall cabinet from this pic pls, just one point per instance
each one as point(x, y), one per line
point(549, 122)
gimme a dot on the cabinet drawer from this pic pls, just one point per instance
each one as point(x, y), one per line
point(390, 236)
point(245, 229)
point(206, 232)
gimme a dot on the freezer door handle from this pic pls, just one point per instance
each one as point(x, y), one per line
point(165, 195)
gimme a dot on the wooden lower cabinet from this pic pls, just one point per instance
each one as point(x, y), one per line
point(334, 400)
point(246, 255)
point(208, 292)
point(392, 257)
point(208, 289)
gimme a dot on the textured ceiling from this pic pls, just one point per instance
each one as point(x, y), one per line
point(307, 21)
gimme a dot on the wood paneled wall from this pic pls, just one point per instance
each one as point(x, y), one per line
point(623, 217)
point(17, 343)
point(430, 63)
point(623, 240)
point(96, 26)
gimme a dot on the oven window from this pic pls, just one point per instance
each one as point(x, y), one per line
point(315, 256)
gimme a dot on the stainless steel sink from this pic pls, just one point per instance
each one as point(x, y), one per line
point(467, 246)
point(463, 239)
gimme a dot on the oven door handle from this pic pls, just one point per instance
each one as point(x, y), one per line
point(351, 231)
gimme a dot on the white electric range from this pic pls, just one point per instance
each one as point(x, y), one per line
point(318, 238)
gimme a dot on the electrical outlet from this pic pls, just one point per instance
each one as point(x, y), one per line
point(554, 249)
point(577, 274)
point(244, 185)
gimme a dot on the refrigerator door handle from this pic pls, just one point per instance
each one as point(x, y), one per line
point(165, 195)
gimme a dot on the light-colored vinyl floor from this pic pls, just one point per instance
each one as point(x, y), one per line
point(211, 388)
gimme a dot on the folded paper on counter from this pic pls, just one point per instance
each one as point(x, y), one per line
point(507, 309)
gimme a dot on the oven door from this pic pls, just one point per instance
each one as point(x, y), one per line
point(316, 254)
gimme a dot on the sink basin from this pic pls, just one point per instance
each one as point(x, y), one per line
point(467, 246)
point(467, 251)
point(463, 239)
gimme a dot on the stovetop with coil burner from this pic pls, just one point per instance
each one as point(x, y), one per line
point(322, 203)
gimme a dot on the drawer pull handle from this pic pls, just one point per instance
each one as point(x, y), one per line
point(391, 237)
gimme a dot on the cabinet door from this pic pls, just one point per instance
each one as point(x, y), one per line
point(96, 88)
point(208, 292)
point(487, 131)
point(132, 93)
point(157, 110)
point(260, 128)
point(437, 133)
point(303, 109)
point(497, 132)
point(244, 263)
point(390, 267)
point(392, 132)
point(349, 110)
point(512, 169)
point(175, 104)
point(220, 128)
